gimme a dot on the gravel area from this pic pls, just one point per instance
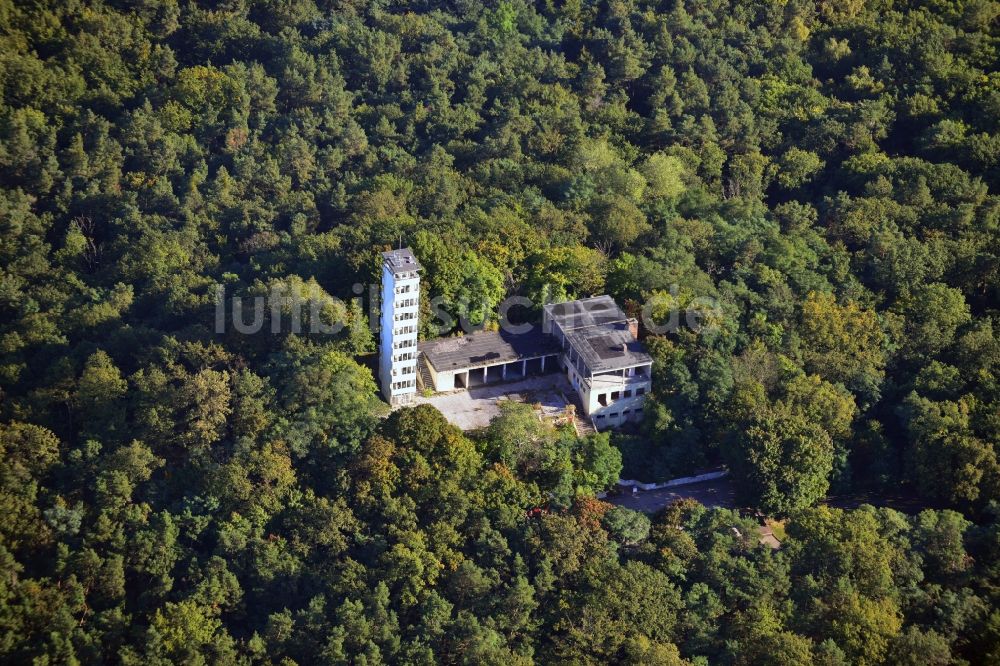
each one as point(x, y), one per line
point(476, 407)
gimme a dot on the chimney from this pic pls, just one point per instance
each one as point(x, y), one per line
point(624, 348)
point(633, 328)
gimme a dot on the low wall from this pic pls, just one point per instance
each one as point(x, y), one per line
point(682, 481)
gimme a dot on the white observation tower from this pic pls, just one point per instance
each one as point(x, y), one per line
point(397, 363)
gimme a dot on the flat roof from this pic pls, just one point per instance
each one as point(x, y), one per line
point(483, 348)
point(585, 312)
point(401, 260)
point(608, 347)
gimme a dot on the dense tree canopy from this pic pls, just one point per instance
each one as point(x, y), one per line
point(814, 183)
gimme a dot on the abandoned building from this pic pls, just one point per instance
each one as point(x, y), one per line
point(397, 359)
point(591, 340)
point(605, 363)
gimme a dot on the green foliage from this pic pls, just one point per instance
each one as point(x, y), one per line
point(330, 401)
point(826, 171)
point(798, 166)
point(626, 526)
point(783, 461)
point(560, 464)
point(664, 175)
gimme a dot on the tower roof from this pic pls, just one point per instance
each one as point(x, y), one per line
point(401, 261)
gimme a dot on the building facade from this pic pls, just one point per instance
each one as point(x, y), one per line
point(398, 330)
point(591, 340)
point(602, 357)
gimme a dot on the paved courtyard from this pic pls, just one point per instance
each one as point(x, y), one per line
point(476, 407)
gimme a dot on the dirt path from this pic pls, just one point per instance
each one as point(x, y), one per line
point(719, 493)
point(722, 494)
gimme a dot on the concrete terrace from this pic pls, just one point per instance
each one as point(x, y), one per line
point(474, 408)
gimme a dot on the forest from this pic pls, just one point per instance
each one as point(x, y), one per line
point(827, 171)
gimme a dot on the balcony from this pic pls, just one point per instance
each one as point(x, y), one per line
point(616, 382)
